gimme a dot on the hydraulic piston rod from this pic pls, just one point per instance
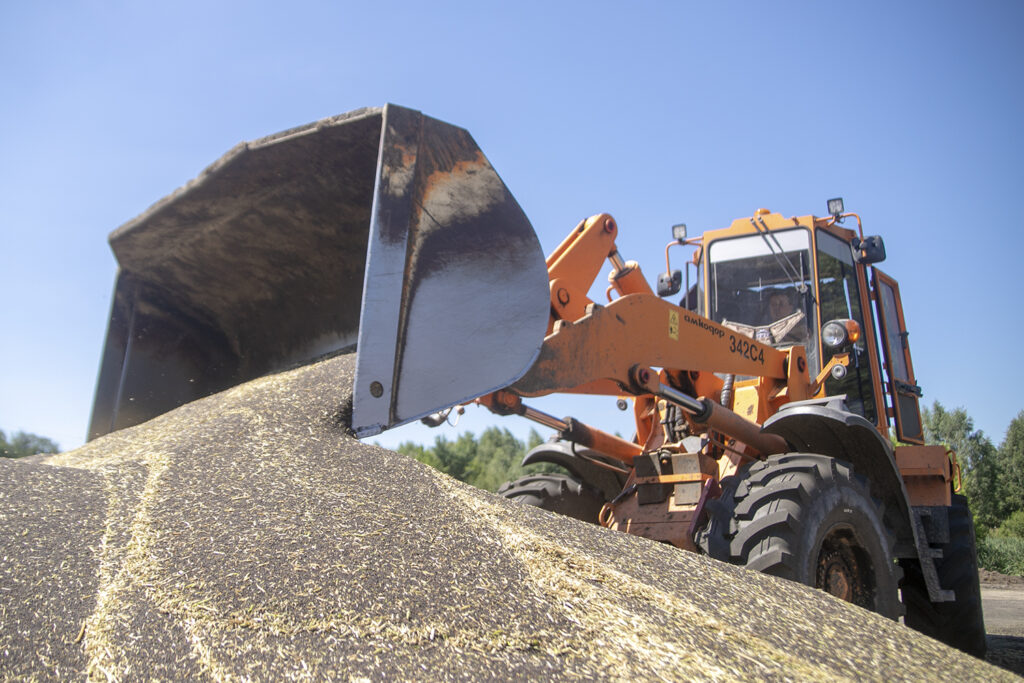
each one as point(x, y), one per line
point(506, 403)
point(719, 418)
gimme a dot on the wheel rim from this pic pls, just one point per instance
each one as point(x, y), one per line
point(844, 569)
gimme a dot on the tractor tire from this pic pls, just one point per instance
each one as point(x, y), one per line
point(961, 623)
point(810, 519)
point(559, 493)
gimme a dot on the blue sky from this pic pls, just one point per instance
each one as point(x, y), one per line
point(657, 112)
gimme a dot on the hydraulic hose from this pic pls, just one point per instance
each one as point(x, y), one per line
point(727, 390)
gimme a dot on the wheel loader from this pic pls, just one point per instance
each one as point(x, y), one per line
point(766, 377)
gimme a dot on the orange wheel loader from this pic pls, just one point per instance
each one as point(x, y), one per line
point(764, 396)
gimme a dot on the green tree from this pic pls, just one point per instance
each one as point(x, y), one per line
point(22, 444)
point(497, 458)
point(487, 462)
point(978, 457)
point(1012, 526)
point(1011, 465)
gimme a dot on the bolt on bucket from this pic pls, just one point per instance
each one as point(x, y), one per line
point(382, 228)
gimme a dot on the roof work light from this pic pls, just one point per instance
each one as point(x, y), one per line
point(835, 207)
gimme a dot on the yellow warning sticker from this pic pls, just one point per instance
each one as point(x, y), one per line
point(673, 325)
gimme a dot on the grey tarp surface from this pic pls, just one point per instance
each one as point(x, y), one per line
point(248, 536)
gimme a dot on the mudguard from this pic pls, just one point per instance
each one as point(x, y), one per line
point(826, 427)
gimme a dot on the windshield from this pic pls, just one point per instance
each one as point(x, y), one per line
point(761, 286)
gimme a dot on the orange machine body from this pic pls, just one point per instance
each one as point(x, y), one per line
point(600, 349)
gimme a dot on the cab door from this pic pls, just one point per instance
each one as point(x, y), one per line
point(902, 387)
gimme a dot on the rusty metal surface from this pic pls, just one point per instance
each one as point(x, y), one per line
point(259, 264)
point(456, 292)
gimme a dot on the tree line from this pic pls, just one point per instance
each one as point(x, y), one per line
point(993, 481)
point(487, 462)
point(21, 444)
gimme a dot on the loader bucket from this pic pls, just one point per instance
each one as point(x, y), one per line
point(381, 228)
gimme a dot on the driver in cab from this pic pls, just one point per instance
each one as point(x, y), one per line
point(782, 305)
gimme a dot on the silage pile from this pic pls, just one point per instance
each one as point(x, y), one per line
point(248, 536)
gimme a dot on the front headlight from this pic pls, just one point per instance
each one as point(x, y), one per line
point(836, 334)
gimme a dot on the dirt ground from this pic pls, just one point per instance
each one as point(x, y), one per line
point(1002, 599)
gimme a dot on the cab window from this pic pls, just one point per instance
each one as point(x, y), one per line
point(763, 286)
point(840, 298)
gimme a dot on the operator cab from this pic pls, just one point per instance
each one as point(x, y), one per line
point(762, 285)
point(763, 266)
point(788, 281)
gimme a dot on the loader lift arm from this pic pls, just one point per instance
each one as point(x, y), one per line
point(615, 349)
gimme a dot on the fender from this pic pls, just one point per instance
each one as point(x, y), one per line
point(826, 427)
point(579, 462)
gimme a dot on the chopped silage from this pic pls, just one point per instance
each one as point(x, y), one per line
point(248, 536)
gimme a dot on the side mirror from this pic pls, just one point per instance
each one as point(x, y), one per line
point(670, 283)
point(870, 250)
